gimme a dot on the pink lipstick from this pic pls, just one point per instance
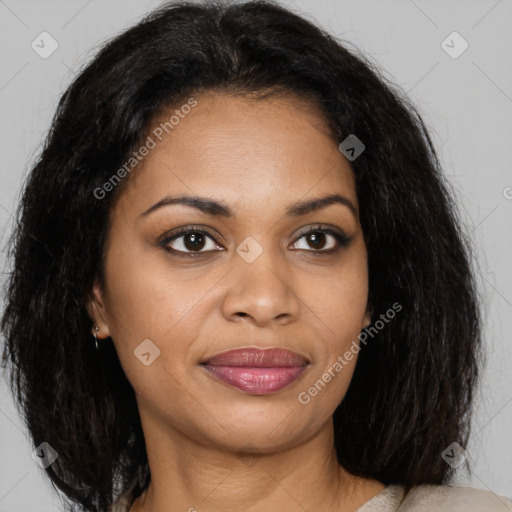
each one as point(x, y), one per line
point(257, 371)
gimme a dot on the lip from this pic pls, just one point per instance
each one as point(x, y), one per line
point(255, 370)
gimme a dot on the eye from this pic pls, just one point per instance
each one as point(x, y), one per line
point(193, 242)
point(318, 240)
point(190, 242)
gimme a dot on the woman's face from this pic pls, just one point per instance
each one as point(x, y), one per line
point(255, 280)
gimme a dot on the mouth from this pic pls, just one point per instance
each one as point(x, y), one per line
point(257, 371)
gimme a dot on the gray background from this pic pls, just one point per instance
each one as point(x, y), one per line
point(465, 101)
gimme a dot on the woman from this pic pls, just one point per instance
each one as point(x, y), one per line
point(255, 228)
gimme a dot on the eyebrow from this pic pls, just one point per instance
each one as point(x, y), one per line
point(216, 208)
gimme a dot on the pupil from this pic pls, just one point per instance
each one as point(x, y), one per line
point(317, 239)
point(194, 241)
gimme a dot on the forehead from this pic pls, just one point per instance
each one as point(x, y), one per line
point(244, 151)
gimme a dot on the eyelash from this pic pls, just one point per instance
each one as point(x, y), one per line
point(342, 239)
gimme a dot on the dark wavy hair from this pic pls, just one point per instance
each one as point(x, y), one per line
point(412, 391)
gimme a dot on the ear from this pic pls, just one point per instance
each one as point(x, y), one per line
point(97, 310)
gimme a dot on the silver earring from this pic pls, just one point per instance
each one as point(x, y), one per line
point(96, 329)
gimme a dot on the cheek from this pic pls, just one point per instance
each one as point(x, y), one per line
point(145, 298)
point(339, 306)
point(339, 298)
point(148, 302)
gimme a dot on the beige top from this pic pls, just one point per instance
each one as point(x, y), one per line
point(438, 498)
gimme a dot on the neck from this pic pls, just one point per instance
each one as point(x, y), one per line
point(189, 476)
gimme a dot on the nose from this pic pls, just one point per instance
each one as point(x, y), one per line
point(261, 292)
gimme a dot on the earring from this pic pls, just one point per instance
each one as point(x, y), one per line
point(96, 330)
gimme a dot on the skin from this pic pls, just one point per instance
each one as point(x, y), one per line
point(212, 447)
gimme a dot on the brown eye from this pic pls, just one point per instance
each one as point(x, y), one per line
point(316, 239)
point(190, 242)
point(194, 241)
point(323, 240)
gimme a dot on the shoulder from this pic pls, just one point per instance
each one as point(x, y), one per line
point(447, 498)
